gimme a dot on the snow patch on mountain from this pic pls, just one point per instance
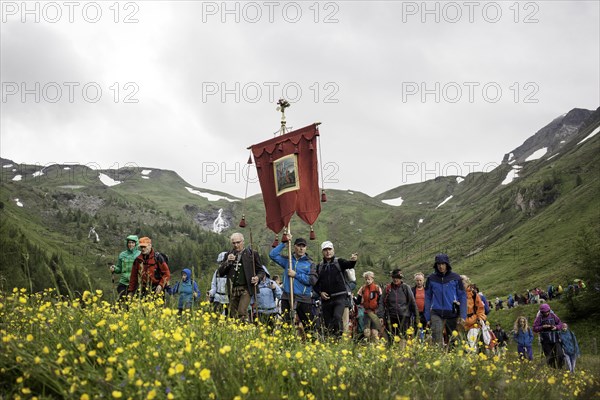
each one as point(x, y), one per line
point(512, 175)
point(537, 154)
point(209, 196)
point(590, 135)
point(108, 181)
point(393, 202)
point(18, 203)
point(17, 178)
point(146, 171)
point(7, 166)
point(447, 199)
point(459, 179)
point(71, 186)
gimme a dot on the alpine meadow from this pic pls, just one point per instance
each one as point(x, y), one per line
point(531, 222)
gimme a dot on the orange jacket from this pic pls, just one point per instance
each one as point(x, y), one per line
point(475, 309)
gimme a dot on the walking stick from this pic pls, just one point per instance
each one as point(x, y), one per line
point(253, 310)
point(193, 292)
point(112, 279)
point(292, 307)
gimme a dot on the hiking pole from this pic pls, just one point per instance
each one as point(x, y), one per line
point(253, 309)
point(112, 279)
point(193, 292)
point(292, 307)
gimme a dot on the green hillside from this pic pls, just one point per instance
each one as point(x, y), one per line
point(508, 238)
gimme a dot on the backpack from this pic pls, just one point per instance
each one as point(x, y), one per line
point(348, 275)
point(160, 258)
point(350, 278)
point(486, 305)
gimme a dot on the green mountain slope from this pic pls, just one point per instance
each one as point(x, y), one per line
point(506, 237)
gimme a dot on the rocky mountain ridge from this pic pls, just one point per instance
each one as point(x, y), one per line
point(552, 136)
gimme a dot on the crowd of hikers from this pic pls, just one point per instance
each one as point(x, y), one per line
point(321, 299)
point(538, 296)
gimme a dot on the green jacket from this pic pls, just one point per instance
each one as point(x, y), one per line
point(126, 259)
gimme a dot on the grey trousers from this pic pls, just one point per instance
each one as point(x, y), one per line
point(437, 328)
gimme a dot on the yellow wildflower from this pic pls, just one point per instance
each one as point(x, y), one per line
point(205, 374)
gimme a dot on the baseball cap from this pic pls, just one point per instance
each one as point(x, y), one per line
point(326, 245)
point(300, 241)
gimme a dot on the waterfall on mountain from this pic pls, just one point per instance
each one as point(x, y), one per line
point(220, 224)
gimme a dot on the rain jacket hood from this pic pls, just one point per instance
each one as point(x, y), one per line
point(188, 274)
point(442, 258)
point(126, 258)
point(135, 239)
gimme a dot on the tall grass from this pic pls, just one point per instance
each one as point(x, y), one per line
point(55, 347)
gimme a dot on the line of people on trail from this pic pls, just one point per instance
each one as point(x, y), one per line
point(559, 344)
point(442, 303)
point(538, 296)
point(145, 271)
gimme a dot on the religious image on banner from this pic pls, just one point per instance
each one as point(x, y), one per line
point(285, 171)
point(286, 166)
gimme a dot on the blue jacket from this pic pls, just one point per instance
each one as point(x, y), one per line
point(569, 343)
point(486, 305)
point(266, 296)
point(524, 338)
point(186, 290)
point(306, 275)
point(441, 290)
point(218, 289)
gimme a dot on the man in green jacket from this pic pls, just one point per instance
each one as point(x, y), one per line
point(125, 264)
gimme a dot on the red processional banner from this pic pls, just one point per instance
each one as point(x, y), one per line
point(289, 180)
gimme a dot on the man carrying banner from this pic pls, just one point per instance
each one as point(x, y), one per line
point(302, 272)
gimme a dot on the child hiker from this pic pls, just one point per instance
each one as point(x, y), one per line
point(523, 335)
point(187, 289)
point(570, 346)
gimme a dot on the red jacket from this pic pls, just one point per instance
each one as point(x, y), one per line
point(145, 267)
point(370, 296)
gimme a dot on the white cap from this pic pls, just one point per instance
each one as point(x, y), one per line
point(326, 245)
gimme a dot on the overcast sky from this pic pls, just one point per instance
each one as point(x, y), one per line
point(405, 91)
